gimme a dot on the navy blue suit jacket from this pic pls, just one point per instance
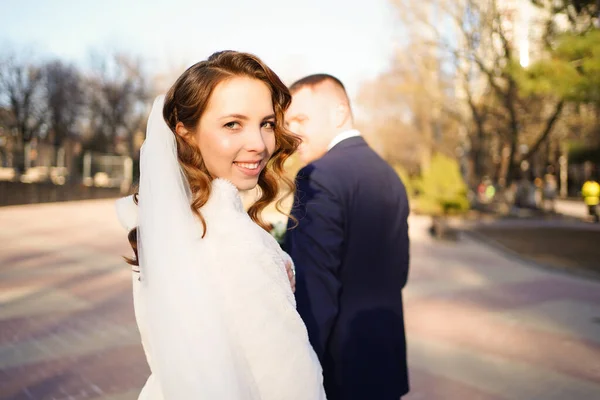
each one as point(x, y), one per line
point(351, 251)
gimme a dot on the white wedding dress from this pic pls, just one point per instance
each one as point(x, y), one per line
point(256, 316)
point(216, 313)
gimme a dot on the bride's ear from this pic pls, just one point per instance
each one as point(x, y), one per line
point(184, 133)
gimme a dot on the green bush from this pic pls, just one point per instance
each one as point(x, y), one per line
point(278, 231)
point(408, 182)
point(441, 188)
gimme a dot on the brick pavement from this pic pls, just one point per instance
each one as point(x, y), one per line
point(480, 325)
point(498, 327)
point(67, 329)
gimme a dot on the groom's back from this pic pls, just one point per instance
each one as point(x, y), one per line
point(376, 249)
point(365, 352)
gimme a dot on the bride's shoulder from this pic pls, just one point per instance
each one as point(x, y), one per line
point(225, 199)
point(127, 212)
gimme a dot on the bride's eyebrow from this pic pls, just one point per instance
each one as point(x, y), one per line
point(236, 116)
point(272, 116)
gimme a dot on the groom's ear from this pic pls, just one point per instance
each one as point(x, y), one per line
point(341, 114)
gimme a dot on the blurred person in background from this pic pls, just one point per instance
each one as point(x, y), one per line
point(350, 247)
point(550, 192)
point(213, 303)
point(486, 191)
point(591, 196)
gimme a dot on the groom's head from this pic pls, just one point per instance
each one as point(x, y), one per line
point(320, 110)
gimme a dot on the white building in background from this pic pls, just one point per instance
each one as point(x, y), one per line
point(524, 24)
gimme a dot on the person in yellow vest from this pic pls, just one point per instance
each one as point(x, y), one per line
point(591, 196)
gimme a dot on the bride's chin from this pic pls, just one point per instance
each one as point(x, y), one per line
point(245, 185)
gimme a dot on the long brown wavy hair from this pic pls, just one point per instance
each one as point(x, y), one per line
point(186, 101)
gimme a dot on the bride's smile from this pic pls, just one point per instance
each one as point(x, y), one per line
point(236, 134)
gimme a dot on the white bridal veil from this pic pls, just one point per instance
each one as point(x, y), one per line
point(192, 351)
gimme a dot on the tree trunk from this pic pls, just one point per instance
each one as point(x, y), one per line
point(480, 146)
point(547, 130)
point(512, 170)
point(509, 101)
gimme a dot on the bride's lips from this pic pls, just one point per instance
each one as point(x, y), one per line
point(250, 168)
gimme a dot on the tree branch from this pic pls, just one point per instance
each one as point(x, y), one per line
point(547, 130)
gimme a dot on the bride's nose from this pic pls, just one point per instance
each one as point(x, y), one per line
point(255, 141)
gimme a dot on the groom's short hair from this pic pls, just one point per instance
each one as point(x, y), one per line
point(314, 80)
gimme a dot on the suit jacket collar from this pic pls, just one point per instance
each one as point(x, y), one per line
point(348, 143)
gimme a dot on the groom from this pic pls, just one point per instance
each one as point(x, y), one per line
point(350, 247)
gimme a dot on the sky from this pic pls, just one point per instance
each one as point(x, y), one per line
point(351, 39)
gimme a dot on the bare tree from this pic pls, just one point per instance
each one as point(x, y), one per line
point(64, 100)
point(118, 94)
point(477, 38)
point(21, 86)
point(385, 120)
point(403, 108)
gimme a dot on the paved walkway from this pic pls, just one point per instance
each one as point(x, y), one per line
point(480, 326)
point(572, 208)
point(484, 326)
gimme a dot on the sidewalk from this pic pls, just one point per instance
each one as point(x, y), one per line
point(67, 329)
point(572, 208)
point(480, 325)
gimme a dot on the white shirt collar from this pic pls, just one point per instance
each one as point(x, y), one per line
point(343, 136)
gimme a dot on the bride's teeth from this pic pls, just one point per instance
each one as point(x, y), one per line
point(249, 166)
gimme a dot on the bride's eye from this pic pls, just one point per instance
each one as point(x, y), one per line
point(232, 125)
point(269, 125)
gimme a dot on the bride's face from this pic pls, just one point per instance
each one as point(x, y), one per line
point(236, 133)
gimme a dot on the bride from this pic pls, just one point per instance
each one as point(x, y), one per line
point(213, 302)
